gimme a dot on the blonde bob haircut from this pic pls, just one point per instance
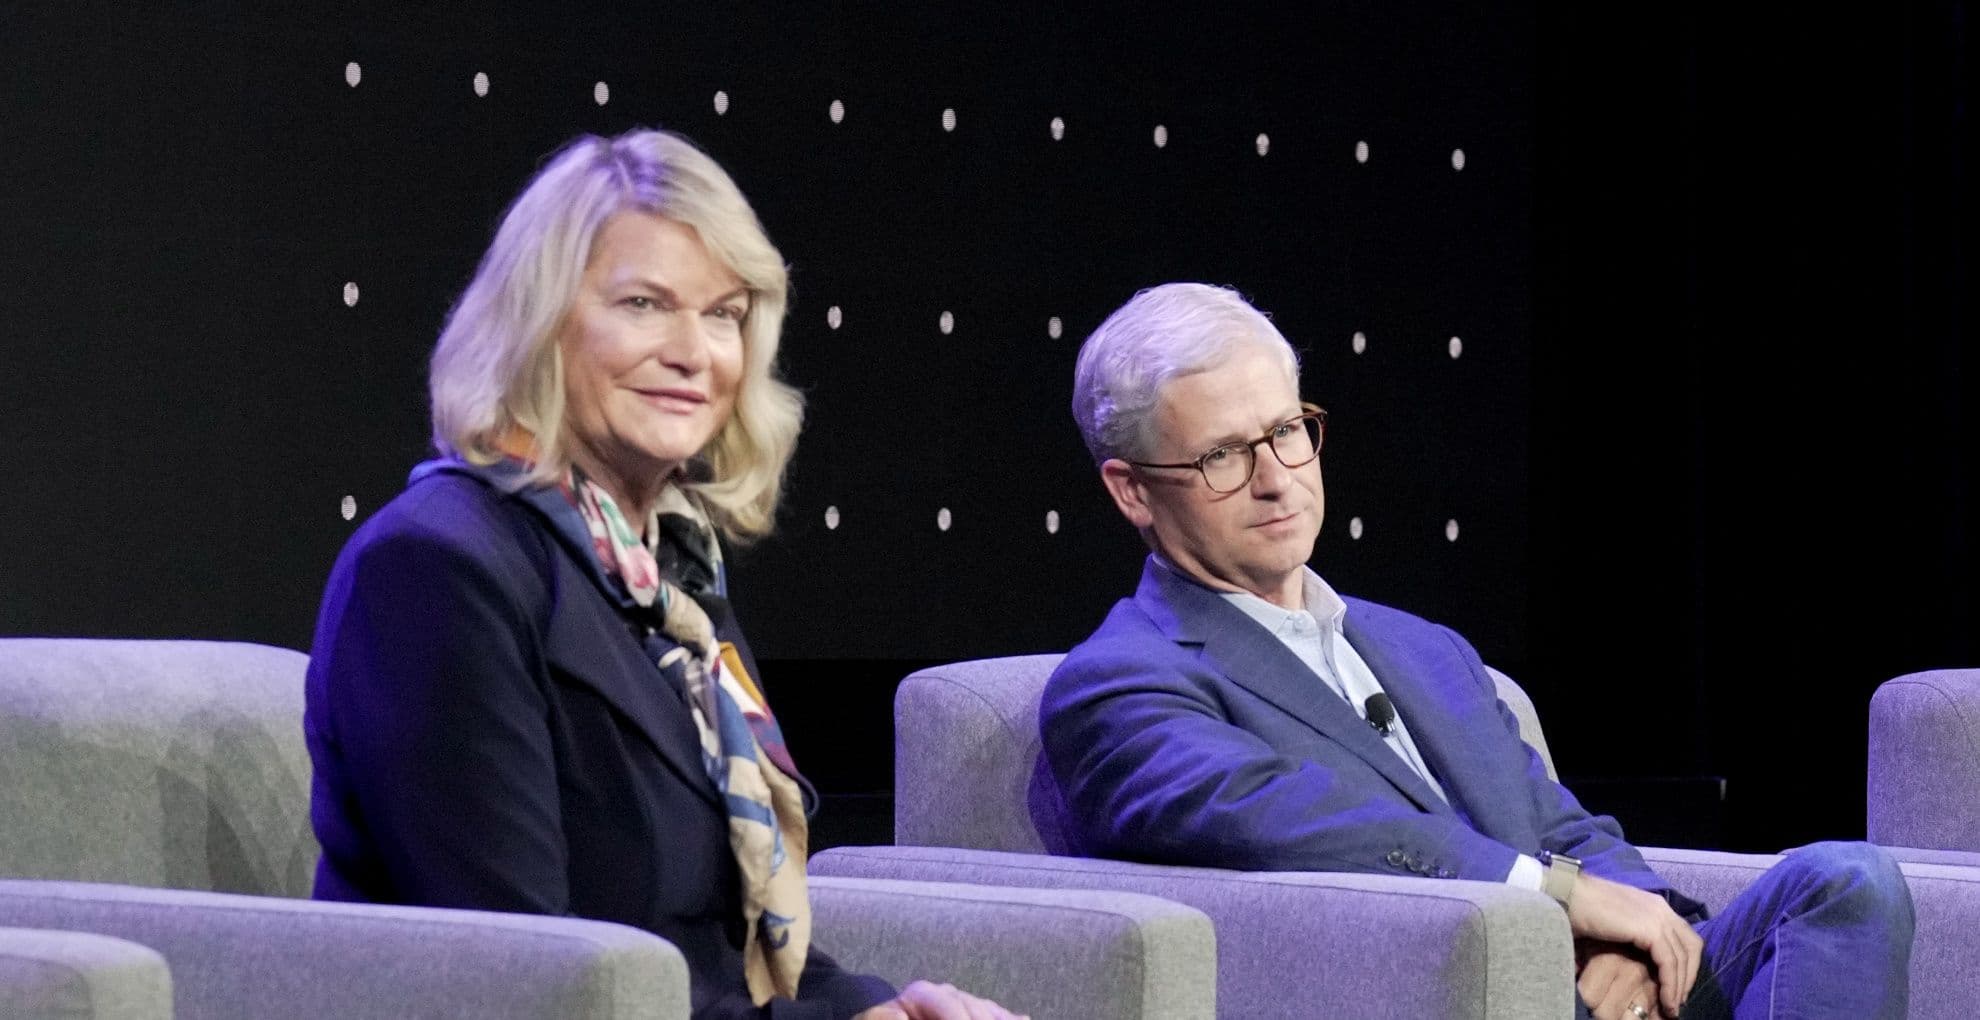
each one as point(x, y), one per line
point(498, 367)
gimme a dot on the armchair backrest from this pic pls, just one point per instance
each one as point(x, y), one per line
point(968, 767)
point(1924, 769)
point(967, 762)
point(178, 764)
point(1529, 720)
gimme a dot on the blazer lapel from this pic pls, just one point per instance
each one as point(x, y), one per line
point(591, 642)
point(588, 638)
point(1245, 654)
point(1416, 679)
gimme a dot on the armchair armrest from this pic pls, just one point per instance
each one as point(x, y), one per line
point(1944, 953)
point(66, 975)
point(1392, 946)
point(256, 956)
point(1712, 877)
point(1916, 855)
point(1102, 955)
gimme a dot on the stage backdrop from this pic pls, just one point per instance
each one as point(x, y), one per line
point(228, 238)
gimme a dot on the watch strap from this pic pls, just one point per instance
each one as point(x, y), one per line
point(1558, 880)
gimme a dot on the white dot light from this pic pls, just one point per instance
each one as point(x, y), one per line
point(831, 518)
point(1457, 159)
point(601, 93)
point(1457, 347)
point(837, 111)
point(348, 507)
point(1161, 136)
point(1354, 528)
point(1058, 128)
point(721, 103)
point(481, 83)
point(1053, 327)
point(1450, 530)
point(1361, 152)
point(832, 317)
point(948, 323)
point(1264, 144)
point(1051, 522)
point(353, 74)
point(350, 295)
point(948, 120)
point(1360, 342)
point(942, 519)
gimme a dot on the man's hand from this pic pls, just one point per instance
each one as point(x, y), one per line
point(925, 1000)
point(1613, 978)
point(1613, 912)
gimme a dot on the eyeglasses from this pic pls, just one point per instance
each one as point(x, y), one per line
point(1228, 468)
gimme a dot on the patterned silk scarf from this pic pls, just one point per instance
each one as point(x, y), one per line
point(741, 744)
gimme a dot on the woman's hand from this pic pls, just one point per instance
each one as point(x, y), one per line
point(925, 1000)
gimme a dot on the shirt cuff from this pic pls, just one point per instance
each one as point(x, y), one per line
point(1526, 873)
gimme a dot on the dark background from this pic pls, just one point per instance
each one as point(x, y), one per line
point(1707, 443)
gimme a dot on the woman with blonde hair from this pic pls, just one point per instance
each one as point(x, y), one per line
point(527, 692)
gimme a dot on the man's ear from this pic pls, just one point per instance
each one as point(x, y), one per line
point(1128, 492)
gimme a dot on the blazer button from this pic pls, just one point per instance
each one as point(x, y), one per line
point(1395, 858)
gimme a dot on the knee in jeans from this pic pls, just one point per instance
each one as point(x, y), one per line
point(1861, 871)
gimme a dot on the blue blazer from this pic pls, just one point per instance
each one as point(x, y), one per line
point(488, 733)
point(1182, 732)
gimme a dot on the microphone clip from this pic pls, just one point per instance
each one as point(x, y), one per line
point(1380, 713)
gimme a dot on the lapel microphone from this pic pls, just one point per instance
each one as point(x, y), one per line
point(1380, 712)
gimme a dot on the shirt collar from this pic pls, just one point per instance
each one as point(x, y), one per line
point(1324, 606)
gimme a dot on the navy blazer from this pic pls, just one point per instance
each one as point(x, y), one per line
point(1182, 732)
point(487, 733)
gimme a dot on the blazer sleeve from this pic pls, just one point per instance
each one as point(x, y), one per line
point(1564, 825)
point(829, 990)
point(429, 672)
point(1567, 827)
point(1152, 769)
point(825, 992)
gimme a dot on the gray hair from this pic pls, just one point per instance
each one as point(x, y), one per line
point(497, 365)
point(1161, 333)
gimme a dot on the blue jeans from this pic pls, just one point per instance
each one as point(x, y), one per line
point(1824, 933)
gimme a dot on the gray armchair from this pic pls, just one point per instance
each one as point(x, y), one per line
point(968, 768)
point(177, 764)
point(1924, 774)
point(178, 769)
point(64, 975)
point(967, 765)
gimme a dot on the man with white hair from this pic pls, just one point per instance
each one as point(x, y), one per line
point(1237, 712)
